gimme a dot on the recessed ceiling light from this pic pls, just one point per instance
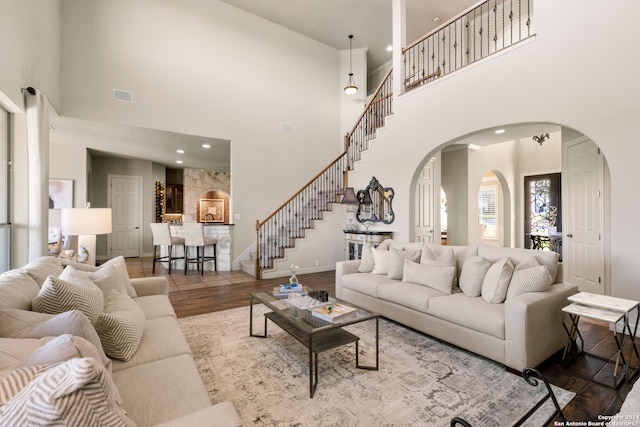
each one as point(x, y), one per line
point(500, 131)
point(179, 162)
point(180, 151)
point(473, 147)
point(206, 146)
point(389, 48)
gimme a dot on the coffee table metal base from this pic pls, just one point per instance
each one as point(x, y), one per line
point(316, 342)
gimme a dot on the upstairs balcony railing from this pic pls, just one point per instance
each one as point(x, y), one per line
point(480, 31)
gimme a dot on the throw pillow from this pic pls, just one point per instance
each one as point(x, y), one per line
point(532, 279)
point(31, 324)
point(438, 278)
point(41, 268)
point(439, 256)
point(121, 266)
point(367, 263)
point(381, 258)
point(496, 281)
point(396, 261)
point(75, 392)
point(472, 275)
point(59, 349)
point(17, 289)
point(57, 296)
point(121, 326)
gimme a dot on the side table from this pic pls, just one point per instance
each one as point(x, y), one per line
point(355, 239)
point(611, 310)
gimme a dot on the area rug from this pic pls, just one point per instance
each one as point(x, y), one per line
point(421, 381)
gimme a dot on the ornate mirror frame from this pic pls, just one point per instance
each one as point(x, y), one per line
point(375, 203)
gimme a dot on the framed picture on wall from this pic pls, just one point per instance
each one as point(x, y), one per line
point(60, 193)
point(211, 210)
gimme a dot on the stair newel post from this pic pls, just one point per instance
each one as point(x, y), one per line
point(258, 250)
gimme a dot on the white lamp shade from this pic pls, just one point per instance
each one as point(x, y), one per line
point(89, 221)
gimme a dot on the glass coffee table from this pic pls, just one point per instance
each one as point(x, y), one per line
point(315, 334)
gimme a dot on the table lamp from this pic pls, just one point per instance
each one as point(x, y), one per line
point(86, 223)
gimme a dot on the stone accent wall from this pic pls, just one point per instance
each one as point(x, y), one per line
point(198, 182)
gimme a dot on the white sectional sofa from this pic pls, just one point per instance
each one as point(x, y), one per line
point(126, 364)
point(501, 303)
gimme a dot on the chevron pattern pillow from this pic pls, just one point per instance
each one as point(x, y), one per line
point(57, 296)
point(77, 392)
point(121, 326)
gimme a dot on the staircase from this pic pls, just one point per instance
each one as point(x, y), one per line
point(480, 31)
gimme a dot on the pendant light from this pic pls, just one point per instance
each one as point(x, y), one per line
point(350, 88)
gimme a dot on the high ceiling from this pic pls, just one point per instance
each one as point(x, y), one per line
point(327, 21)
point(331, 21)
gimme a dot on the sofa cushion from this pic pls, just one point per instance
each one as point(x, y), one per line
point(409, 295)
point(162, 338)
point(17, 289)
point(517, 255)
point(470, 312)
point(397, 258)
point(30, 324)
point(496, 281)
point(121, 326)
point(144, 390)
point(531, 279)
point(438, 278)
point(367, 263)
point(41, 268)
point(57, 296)
point(439, 256)
point(75, 392)
point(472, 275)
point(155, 306)
point(365, 283)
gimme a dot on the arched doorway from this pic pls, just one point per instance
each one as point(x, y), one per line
point(512, 158)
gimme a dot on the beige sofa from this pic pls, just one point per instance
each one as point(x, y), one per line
point(158, 384)
point(520, 327)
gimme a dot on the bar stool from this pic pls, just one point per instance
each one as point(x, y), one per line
point(194, 236)
point(162, 237)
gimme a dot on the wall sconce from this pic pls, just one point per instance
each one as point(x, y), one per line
point(86, 223)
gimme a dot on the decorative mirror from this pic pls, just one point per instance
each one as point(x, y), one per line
point(375, 203)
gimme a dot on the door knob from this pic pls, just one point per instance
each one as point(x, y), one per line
point(569, 235)
point(136, 228)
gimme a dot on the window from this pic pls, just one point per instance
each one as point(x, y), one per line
point(542, 208)
point(5, 224)
point(488, 210)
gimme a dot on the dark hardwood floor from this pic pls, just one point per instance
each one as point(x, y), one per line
point(215, 291)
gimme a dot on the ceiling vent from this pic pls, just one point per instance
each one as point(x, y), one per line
point(122, 95)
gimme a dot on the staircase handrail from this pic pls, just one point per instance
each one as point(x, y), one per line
point(368, 105)
point(260, 224)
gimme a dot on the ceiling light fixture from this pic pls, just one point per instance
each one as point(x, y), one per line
point(473, 147)
point(179, 162)
point(350, 88)
point(389, 48)
point(206, 146)
point(180, 151)
point(499, 131)
point(541, 138)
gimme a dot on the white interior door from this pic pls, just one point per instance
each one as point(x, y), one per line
point(583, 243)
point(126, 205)
point(427, 204)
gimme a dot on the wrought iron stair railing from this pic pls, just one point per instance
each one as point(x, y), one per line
point(280, 229)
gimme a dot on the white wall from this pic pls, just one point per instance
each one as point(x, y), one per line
point(206, 68)
point(593, 93)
